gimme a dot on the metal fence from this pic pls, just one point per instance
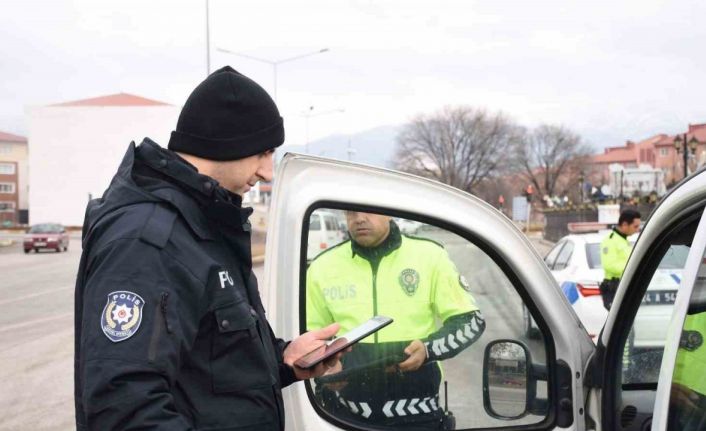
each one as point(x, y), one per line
point(556, 221)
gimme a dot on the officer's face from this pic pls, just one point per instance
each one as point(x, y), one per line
point(630, 228)
point(366, 229)
point(241, 175)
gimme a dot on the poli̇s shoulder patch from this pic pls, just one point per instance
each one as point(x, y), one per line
point(122, 315)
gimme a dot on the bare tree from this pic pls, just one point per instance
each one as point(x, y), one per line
point(550, 158)
point(459, 146)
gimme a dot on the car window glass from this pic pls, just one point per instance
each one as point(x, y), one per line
point(562, 260)
point(330, 223)
point(642, 352)
point(553, 253)
point(446, 296)
point(687, 402)
point(315, 222)
point(593, 255)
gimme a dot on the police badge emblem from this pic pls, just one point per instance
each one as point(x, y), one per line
point(409, 280)
point(122, 315)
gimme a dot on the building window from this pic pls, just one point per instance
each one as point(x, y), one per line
point(7, 207)
point(664, 152)
point(5, 148)
point(7, 169)
point(7, 187)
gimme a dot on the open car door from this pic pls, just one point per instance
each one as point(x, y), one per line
point(503, 379)
point(641, 338)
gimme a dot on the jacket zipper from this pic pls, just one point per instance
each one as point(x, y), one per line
point(160, 321)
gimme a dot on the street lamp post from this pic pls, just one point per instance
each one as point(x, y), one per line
point(274, 63)
point(686, 147)
point(582, 179)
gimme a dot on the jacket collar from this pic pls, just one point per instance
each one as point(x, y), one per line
point(615, 230)
point(374, 254)
point(199, 198)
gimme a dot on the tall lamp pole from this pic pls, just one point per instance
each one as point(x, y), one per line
point(274, 63)
point(686, 147)
point(208, 42)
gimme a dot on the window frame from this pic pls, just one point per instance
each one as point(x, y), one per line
point(13, 187)
point(13, 168)
point(553, 367)
point(560, 245)
point(609, 358)
point(567, 243)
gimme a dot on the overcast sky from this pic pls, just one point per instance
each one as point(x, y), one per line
point(609, 70)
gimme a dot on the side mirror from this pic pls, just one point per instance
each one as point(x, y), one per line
point(506, 379)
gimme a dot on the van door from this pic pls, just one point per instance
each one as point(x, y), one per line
point(681, 393)
point(503, 379)
point(634, 351)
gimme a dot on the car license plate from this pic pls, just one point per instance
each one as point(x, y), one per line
point(40, 244)
point(655, 297)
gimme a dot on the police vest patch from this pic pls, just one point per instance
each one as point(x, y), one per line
point(409, 280)
point(122, 315)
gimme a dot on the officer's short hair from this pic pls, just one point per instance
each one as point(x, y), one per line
point(627, 216)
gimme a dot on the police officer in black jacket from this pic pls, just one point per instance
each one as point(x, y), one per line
point(170, 330)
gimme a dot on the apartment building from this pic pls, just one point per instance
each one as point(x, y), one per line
point(77, 147)
point(14, 177)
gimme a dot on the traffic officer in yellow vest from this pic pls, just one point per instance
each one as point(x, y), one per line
point(393, 375)
point(615, 251)
point(687, 404)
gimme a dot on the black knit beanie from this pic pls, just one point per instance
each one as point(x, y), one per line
point(227, 117)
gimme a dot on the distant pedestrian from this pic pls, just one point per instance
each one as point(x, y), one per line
point(615, 251)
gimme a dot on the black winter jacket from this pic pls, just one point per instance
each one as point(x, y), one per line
point(170, 330)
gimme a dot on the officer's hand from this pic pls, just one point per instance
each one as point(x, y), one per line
point(416, 355)
point(684, 398)
point(307, 342)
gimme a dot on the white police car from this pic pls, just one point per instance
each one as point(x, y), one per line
point(575, 263)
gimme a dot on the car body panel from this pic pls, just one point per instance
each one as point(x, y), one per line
point(295, 195)
point(344, 182)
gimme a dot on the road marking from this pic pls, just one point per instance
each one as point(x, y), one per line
point(34, 322)
point(34, 295)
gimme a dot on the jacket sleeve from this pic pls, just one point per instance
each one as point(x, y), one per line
point(286, 373)
point(139, 311)
point(453, 303)
point(457, 333)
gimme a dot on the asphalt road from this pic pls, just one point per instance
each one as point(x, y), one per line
point(36, 335)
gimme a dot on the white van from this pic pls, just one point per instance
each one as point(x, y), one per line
point(324, 232)
point(558, 381)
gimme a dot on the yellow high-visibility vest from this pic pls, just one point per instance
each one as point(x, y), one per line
point(415, 284)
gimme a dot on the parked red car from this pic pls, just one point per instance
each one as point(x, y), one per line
point(46, 236)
